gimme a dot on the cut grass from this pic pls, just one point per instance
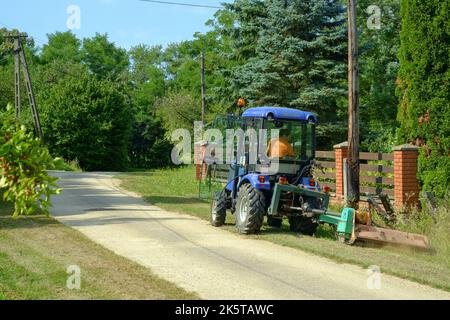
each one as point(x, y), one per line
point(35, 253)
point(176, 190)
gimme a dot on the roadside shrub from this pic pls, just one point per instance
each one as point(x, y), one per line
point(87, 120)
point(23, 165)
point(434, 172)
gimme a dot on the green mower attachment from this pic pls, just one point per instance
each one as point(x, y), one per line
point(349, 228)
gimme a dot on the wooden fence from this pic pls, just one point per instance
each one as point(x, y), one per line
point(377, 172)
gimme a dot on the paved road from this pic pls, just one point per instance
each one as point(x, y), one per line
point(212, 262)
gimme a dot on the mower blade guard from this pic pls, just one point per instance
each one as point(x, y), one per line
point(394, 237)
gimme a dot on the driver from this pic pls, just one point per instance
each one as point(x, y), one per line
point(281, 147)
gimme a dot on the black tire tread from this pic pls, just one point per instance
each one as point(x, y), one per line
point(218, 220)
point(256, 210)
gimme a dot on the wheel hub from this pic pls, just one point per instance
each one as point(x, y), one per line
point(243, 209)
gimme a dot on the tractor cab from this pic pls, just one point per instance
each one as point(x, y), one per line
point(287, 140)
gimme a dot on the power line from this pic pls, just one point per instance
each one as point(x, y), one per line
point(183, 4)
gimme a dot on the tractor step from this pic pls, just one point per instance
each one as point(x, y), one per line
point(387, 236)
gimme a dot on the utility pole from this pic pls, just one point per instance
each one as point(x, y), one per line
point(353, 108)
point(203, 87)
point(19, 58)
point(17, 77)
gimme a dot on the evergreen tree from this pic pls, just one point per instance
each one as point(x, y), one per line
point(424, 81)
point(299, 60)
point(378, 62)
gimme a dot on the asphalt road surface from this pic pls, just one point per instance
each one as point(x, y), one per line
point(212, 262)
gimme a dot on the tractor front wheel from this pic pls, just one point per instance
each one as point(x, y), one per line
point(250, 210)
point(303, 225)
point(219, 209)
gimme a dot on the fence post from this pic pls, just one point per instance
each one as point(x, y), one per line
point(341, 151)
point(199, 154)
point(406, 185)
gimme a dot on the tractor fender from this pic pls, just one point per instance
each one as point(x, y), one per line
point(305, 183)
point(253, 179)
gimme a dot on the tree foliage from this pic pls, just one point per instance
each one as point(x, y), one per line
point(23, 166)
point(88, 120)
point(424, 81)
point(103, 58)
point(149, 147)
point(63, 46)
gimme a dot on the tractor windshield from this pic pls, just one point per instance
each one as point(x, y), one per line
point(295, 141)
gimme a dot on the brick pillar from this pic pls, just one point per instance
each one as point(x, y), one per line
point(406, 186)
point(341, 151)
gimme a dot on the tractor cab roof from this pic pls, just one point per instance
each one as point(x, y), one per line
point(278, 113)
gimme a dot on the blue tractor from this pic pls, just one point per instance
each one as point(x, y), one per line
point(278, 184)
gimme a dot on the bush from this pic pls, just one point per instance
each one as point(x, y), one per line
point(89, 121)
point(149, 148)
point(23, 165)
point(434, 172)
point(424, 73)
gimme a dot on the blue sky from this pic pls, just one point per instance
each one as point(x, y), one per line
point(127, 22)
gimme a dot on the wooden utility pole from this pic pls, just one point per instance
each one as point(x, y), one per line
point(20, 58)
point(203, 88)
point(17, 76)
point(353, 108)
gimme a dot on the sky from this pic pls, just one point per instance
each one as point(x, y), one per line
point(127, 22)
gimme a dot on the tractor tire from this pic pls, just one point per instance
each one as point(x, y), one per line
point(303, 225)
point(250, 210)
point(219, 210)
point(272, 222)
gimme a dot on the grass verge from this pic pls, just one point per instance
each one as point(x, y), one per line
point(176, 190)
point(35, 253)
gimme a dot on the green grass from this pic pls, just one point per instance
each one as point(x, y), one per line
point(35, 253)
point(62, 165)
point(176, 190)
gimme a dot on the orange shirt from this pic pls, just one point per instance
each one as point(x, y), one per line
point(280, 148)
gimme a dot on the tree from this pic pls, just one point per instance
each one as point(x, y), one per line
point(64, 46)
point(88, 120)
point(103, 58)
point(149, 147)
point(146, 75)
point(178, 110)
point(378, 74)
point(298, 59)
point(424, 77)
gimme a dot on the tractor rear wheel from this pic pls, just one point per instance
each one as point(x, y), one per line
point(219, 209)
point(303, 225)
point(250, 210)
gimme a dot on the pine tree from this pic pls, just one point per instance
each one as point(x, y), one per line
point(299, 59)
point(300, 56)
point(424, 81)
